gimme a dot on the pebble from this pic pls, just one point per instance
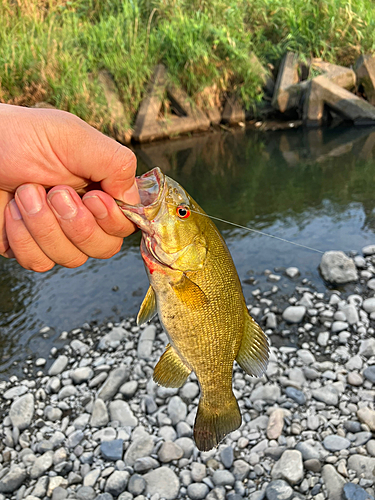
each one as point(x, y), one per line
point(279, 490)
point(136, 485)
point(197, 491)
point(121, 412)
point(99, 416)
point(355, 492)
point(21, 411)
point(141, 447)
point(12, 480)
point(289, 467)
point(170, 451)
point(115, 380)
point(223, 478)
point(117, 482)
point(177, 409)
point(162, 481)
point(294, 314)
point(146, 341)
point(336, 267)
point(112, 450)
point(58, 366)
point(335, 443)
point(296, 395)
point(227, 456)
point(333, 482)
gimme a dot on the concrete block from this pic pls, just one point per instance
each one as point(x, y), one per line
point(365, 71)
point(323, 92)
point(150, 126)
point(265, 74)
point(233, 112)
point(119, 123)
point(341, 76)
point(287, 94)
point(214, 115)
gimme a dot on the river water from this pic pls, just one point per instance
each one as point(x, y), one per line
point(315, 188)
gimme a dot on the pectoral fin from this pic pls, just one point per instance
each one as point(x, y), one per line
point(170, 370)
point(148, 307)
point(254, 350)
point(190, 293)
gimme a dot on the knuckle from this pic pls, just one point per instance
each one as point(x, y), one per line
point(111, 251)
point(41, 266)
point(76, 261)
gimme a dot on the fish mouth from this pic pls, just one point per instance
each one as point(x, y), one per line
point(151, 187)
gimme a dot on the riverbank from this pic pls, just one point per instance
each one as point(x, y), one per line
point(53, 52)
point(89, 423)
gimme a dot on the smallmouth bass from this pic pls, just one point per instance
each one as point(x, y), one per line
point(195, 289)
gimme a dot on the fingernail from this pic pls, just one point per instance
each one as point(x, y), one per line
point(63, 203)
point(14, 210)
point(30, 199)
point(131, 196)
point(96, 206)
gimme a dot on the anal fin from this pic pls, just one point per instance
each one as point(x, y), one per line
point(254, 350)
point(170, 370)
point(148, 307)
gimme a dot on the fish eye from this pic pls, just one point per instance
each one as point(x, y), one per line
point(183, 211)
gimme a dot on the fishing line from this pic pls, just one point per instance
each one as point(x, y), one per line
point(253, 230)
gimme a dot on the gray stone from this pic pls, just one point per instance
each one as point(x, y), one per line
point(40, 489)
point(115, 379)
point(80, 375)
point(240, 469)
point(12, 480)
point(369, 373)
point(313, 464)
point(120, 411)
point(91, 477)
point(294, 314)
point(145, 342)
point(21, 411)
point(335, 443)
point(112, 450)
point(266, 392)
point(41, 465)
point(368, 250)
point(362, 465)
point(327, 394)
point(369, 305)
point(351, 314)
point(99, 416)
point(355, 492)
point(113, 338)
point(144, 464)
point(15, 392)
point(117, 482)
point(197, 491)
point(67, 391)
point(74, 439)
point(85, 493)
point(129, 389)
point(177, 409)
point(333, 482)
point(292, 272)
point(336, 267)
point(164, 482)
point(323, 338)
point(339, 326)
point(311, 450)
point(59, 493)
point(355, 379)
point(53, 414)
point(362, 438)
point(198, 472)
point(367, 348)
point(140, 447)
point(223, 478)
point(170, 451)
point(104, 496)
point(275, 424)
point(58, 366)
point(136, 485)
point(190, 390)
point(79, 346)
point(289, 467)
point(306, 357)
point(227, 456)
point(187, 446)
point(296, 395)
point(279, 490)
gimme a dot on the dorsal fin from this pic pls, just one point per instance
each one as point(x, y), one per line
point(254, 350)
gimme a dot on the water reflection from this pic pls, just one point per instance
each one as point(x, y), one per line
point(312, 187)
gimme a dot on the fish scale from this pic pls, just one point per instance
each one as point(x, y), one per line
point(195, 289)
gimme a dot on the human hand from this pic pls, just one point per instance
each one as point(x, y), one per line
point(44, 148)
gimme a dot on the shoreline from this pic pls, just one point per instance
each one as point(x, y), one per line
point(89, 423)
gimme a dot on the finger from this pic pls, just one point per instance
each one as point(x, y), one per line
point(80, 226)
point(5, 197)
point(108, 214)
point(24, 248)
point(44, 228)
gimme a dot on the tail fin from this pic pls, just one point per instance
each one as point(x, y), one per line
point(213, 423)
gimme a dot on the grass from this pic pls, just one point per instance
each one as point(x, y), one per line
point(52, 50)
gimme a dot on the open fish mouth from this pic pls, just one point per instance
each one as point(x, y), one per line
point(151, 189)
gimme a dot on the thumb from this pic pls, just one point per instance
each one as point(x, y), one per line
point(95, 156)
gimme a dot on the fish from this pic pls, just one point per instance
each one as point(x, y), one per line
point(196, 292)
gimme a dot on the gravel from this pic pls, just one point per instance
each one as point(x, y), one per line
point(89, 423)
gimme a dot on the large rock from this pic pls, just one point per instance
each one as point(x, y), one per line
point(338, 268)
point(21, 412)
point(365, 71)
point(340, 75)
point(164, 482)
point(324, 92)
point(289, 467)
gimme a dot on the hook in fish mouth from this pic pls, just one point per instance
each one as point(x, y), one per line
point(151, 188)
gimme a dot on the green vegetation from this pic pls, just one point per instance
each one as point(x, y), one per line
point(52, 50)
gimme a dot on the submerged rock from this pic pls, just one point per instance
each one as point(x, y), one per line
point(336, 267)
